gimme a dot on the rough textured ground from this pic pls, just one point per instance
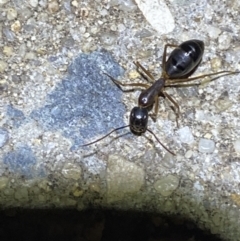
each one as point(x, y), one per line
point(55, 97)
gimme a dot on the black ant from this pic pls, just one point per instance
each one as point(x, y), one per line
point(181, 63)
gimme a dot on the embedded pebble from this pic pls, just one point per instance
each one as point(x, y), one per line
point(11, 14)
point(3, 66)
point(10, 36)
point(216, 64)
point(72, 171)
point(213, 32)
point(224, 41)
point(33, 3)
point(188, 154)
point(185, 135)
point(167, 185)
point(127, 5)
point(3, 2)
point(168, 161)
point(123, 177)
point(53, 6)
point(206, 146)
point(158, 15)
point(30, 56)
point(3, 137)
point(3, 182)
point(8, 50)
point(223, 104)
point(108, 38)
point(236, 145)
point(16, 26)
point(21, 194)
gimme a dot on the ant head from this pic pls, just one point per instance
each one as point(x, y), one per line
point(138, 120)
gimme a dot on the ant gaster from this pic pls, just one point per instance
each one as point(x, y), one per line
point(181, 63)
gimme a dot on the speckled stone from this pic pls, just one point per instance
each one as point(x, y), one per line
point(123, 178)
point(166, 185)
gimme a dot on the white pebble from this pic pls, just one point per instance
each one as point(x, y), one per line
point(33, 3)
point(224, 41)
point(185, 135)
point(206, 146)
point(167, 185)
point(157, 14)
point(213, 32)
point(11, 13)
point(3, 2)
point(237, 145)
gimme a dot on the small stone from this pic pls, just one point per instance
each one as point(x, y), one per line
point(188, 154)
point(21, 194)
point(223, 103)
point(44, 186)
point(127, 5)
point(108, 38)
point(133, 74)
point(10, 36)
point(8, 50)
point(3, 182)
point(224, 41)
point(168, 161)
point(206, 146)
point(30, 56)
point(16, 26)
point(33, 3)
point(123, 178)
point(213, 32)
point(167, 185)
point(3, 2)
point(3, 66)
point(208, 136)
point(74, 3)
point(158, 15)
point(16, 79)
point(185, 135)
point(77, 192)
point(11, 14)
point(53, 6)
point(72, 171)
point(216, 64)
point(236, 145)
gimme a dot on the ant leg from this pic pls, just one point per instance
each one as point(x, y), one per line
point(224, 73)
point(138, 65)
point(184, 85)
point(156, 106)
point(176, 107)
point(119, 83)
point(165, 54)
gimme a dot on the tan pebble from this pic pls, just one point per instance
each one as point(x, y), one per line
point(53, 6)
point(77, 192)
point(236, 198)
point(16, 26)
point(133, 74)
point(208, 136)
point(8, 50)
point(3, 66)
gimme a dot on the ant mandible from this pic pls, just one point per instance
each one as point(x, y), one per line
point(181, 63)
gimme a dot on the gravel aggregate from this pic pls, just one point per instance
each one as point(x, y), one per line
point(55, 97)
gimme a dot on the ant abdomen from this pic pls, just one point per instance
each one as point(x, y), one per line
point(184, 59)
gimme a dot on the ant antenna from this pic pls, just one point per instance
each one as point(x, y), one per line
point(122, 127)
point(116, 129)
point(161, 143)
